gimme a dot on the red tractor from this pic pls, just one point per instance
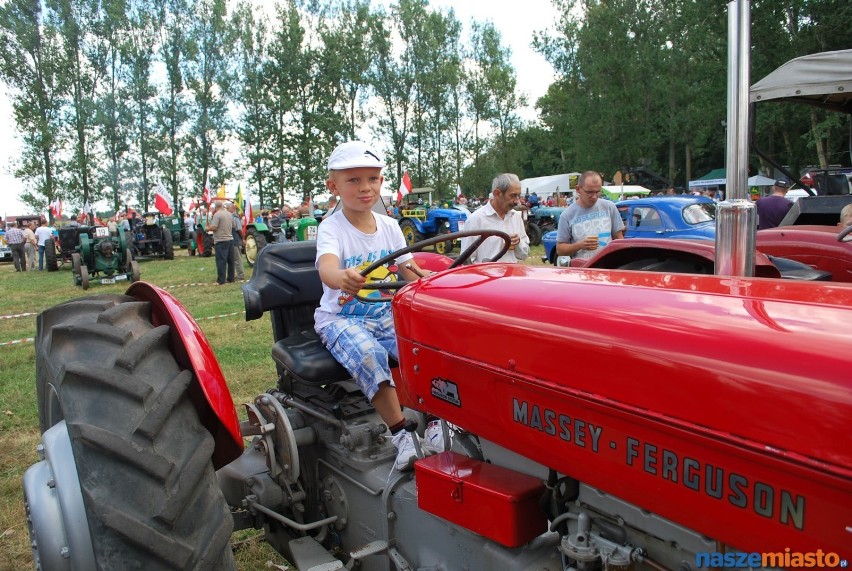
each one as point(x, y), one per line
point(680, 421)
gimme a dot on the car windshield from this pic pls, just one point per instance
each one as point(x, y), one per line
point(700, 213)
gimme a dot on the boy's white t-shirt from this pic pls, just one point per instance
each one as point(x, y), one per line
point(355, 249)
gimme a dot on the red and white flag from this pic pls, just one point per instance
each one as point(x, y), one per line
point(206, 196)
point(56, 208)
point(192, 206)
point(404, 187)
point(458, 191)
point(248, 215)
point(162, 200)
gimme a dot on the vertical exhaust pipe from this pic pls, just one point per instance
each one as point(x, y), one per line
point(736, 216)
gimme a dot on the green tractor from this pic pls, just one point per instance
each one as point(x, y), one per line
point(277, 229)
point(100, 254)
point(259, 233)
point(180, 236)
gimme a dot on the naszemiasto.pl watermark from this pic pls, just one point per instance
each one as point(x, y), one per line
point(787, 559)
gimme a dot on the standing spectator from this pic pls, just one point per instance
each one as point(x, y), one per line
point(237, 244)
point(15, 239)
point(772, 209)
point(589, 223)
point(189, 222)
point(500, 214)
point(222, 228)
point(44, 238)
point(30, 244)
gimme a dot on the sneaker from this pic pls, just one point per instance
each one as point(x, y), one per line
point(433, 438)
point(406, 454)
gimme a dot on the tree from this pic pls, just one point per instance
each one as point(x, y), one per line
point(113, 117)
point(31, 63)
point(254, 128)
point(138, 54)
point(170, 111)
point(78, 22)
point(209, 77)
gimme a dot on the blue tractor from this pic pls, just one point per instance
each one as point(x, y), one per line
point(420, 220)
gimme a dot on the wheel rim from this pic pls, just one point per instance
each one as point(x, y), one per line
point(441, 247)
point(408, 232)
point(54, 500)
point(251, 249)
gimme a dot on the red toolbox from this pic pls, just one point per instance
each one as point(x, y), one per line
point(496, 502)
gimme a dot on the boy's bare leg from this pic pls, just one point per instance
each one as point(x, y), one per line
point(386, 403)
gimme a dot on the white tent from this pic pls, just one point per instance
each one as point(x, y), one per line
point(545, 186)
point(756, 180)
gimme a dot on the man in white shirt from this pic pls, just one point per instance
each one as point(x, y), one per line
point(499, 214)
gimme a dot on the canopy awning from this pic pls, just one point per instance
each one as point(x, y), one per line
point(822, 79)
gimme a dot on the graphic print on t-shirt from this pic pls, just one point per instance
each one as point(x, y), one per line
point(591, 224)
point(351, 305)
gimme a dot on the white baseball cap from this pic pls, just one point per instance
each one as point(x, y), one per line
point(353, 155)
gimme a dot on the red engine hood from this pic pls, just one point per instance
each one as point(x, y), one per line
point(724, 404)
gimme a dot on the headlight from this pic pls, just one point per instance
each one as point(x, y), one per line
point(445, 225)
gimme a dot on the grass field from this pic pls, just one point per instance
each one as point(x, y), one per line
point(242, 348)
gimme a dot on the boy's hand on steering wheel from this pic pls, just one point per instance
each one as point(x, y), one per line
point(351, 281)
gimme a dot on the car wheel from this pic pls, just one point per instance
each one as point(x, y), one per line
point(146, 489)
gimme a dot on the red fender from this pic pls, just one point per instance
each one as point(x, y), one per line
point(192, 350)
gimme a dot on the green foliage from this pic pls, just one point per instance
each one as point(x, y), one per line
point(117, 95)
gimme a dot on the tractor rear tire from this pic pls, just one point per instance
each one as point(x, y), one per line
point(207, 249)
point(143, 458)
point(534, 234)
point(168, 245)
point(50, 260)
point(134, 271)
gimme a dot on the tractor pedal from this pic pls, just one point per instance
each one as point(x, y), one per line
point(308, 554)
point(370, 549)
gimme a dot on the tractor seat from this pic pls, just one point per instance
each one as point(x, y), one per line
point(307, 359)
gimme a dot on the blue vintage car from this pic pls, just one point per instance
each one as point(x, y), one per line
point(691, 217)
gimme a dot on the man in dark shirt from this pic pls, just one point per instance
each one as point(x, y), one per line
point(772, 209)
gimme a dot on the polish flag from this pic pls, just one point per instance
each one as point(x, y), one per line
point(404, 187)
point(206, 196)
point(248, 215)
point(458, 190)
point(56, 208)
point(162, 200)
point(192, 205)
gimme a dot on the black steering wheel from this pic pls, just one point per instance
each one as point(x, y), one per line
point(843, 233)
point(463, 257)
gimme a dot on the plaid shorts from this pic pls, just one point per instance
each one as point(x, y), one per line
point(362, 346)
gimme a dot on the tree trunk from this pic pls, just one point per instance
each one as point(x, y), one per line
point(818, 142)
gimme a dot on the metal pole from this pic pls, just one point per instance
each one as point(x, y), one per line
point(736, 219)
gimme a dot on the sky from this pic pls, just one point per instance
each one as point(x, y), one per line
point(516, 21)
